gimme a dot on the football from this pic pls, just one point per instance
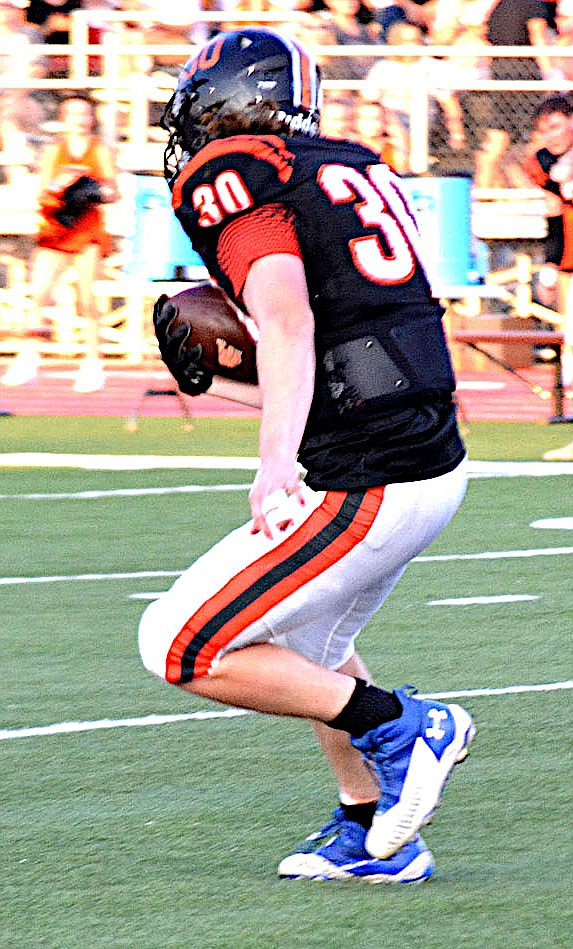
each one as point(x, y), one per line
point(215, 322)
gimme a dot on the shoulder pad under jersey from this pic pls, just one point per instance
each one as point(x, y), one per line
point(263, 162)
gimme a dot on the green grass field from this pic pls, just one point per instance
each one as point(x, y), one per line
point(167, 836)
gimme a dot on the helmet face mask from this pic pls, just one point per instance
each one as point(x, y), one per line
point(261, 79)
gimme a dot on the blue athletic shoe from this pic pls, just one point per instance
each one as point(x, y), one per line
point(311, 843)
point(344, 857)
point(413, 757)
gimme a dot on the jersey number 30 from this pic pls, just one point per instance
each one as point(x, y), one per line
point(380, 205)
point(377, 202)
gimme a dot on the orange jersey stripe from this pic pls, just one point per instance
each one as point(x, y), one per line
point(341, 522)
point(268, 148)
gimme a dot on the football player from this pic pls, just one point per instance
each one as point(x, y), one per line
point(315, 241)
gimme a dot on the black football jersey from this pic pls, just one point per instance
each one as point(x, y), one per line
point(382, 409)
point(358, 238)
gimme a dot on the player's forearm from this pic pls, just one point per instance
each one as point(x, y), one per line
point(276, 297)
point(286, 373)
point(242, 392)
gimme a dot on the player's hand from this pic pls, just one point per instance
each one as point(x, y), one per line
point(184, 363)
point(272, 479)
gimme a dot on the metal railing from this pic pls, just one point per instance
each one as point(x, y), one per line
point(127, 89)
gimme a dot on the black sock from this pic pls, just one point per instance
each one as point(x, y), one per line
point(367, 707)
point(360, 813)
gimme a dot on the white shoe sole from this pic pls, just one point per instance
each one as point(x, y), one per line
point(311, 866)
point(421, 791)
point(560, 454)
point(19, 377)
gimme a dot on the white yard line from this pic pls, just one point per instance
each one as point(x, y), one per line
point(498, 554)
point(553, 524)
point(477, 469)
point(481, 600)
point(145, 574)
point(125, 492)
point(504, 690)
point(88, 577)
point(42, 459)
point(67, 728)
point(145, 462)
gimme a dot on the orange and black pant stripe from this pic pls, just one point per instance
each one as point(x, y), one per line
point(332, 531)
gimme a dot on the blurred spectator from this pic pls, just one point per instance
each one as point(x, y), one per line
point(463, 27)
point(563, 66)
point(447, 17)
point(99, 27)
point(395, 83)
point(551, 167)
point(70, 235)
point(171, 22)
point(228, 8)
point(358, 119)
point(551, 10)
point(50, 18)
point(511, 23)
point(300, 28)
point(51, 22)
point(336, 117)
point(343, 21)
point(17, 59)
point(115, 107)
point(376, 129)
point(21, 115)
point(419, 12)
point(385, 13)
point(314, 32)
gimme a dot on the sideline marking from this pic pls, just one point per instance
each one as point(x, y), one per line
point(125, 492)
point(507, 690)
point(519, 469)
point(471, 600)
point(67, 728)
point(458, 601)
point(554, 523)
point(145, 574)
point(44, 459)
point(81, 577)
point(477, 469)
point(497, 554)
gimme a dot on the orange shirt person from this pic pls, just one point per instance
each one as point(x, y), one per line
point(78, 153)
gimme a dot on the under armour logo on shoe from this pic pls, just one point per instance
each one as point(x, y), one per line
point(435, 730)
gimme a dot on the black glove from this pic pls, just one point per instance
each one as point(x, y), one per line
point(183, 364)
point(82, 194)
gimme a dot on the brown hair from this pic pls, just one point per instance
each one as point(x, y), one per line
point(257, 119)
point(558, 102)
